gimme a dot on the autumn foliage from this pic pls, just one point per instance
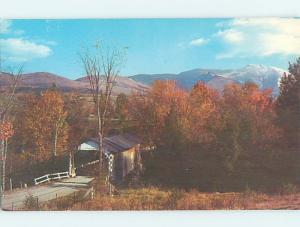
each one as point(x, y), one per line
point(6, 130)
point(203, 115)
point(206, 139)
point(43, 127)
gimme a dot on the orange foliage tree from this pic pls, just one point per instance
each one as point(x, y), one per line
point(204, 115)
point(7, 101)
point(151, 108)
point(6, 130)
point(77, 118)
point(247, 136)
point(45, 124)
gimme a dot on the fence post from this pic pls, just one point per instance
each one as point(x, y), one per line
point(12, 206)
point(92, 193)
point(10, 183)
point(56, 200)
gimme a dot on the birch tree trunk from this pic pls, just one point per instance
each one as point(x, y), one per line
point(55, 141)
point(6, 103)
point(100, 140)
point(4, 163)
point(2, 147)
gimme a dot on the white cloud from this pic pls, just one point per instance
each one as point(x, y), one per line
point(260, 37)
point(231, 35)
point(280, 44)
point(18, 49)
point(4, 26)
point(198, 42)
point(288, 25)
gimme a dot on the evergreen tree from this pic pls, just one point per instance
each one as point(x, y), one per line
point(288, 106)
point(288, 110)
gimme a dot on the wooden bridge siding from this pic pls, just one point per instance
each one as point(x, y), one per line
point(124, 162)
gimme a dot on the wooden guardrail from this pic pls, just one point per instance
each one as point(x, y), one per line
point(49, 177)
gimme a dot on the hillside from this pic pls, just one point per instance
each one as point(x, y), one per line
point(124, 84)
point(42, 80)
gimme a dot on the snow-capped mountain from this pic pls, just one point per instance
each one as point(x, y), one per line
point(264, 76)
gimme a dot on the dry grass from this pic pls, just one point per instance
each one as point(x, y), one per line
point(141, 199)
point(219, 201)
point(157, 199)
point(152, 198)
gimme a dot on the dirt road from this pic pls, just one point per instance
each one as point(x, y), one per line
point(14, 200)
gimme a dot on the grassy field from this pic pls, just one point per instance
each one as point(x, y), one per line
point(158, 199)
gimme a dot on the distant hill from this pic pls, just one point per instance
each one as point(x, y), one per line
point(124, 84)
point(42, 80)
point(264, 76)
point(150, 78)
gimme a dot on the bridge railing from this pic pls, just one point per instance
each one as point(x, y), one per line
point(49, 177)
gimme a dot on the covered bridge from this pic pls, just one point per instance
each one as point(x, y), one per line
point(122, 152)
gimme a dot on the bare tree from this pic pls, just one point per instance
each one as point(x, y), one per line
point(102, 67)
point(7, 100)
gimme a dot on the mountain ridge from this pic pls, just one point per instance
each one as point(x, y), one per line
point(43, 80)
point(264, 76)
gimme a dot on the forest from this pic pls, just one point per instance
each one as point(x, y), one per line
point(242, 139)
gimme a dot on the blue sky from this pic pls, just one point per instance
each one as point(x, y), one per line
point(154, 45)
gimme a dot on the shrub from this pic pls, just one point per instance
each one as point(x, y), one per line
point(31, 203)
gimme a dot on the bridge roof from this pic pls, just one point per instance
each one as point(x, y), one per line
point(118, 143)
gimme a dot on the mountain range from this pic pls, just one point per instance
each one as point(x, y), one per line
point(264, 76)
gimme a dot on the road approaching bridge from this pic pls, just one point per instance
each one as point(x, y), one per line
point(14, 200)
